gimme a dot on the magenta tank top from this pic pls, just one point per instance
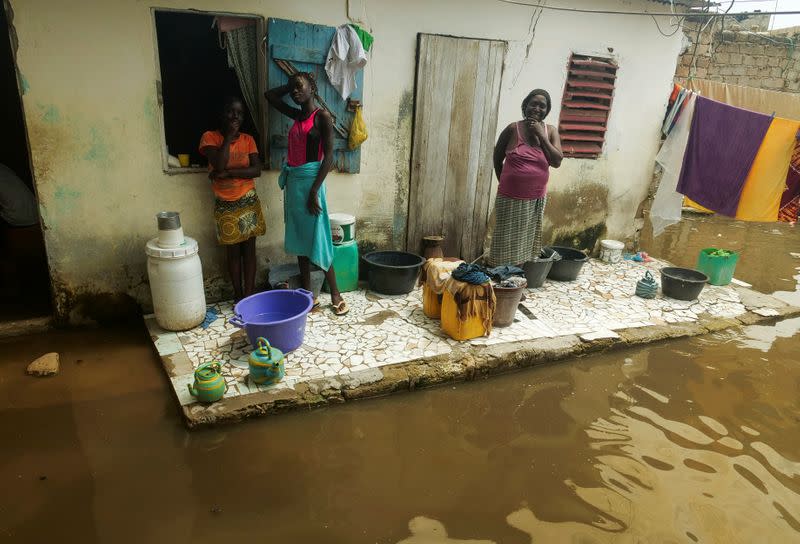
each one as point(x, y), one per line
point(298, 138)
point(525, 171)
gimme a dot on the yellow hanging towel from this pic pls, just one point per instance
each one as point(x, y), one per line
point(358, 130)
point(688, 202)
point(764, 186)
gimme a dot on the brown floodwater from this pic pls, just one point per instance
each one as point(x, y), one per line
point(695, 440)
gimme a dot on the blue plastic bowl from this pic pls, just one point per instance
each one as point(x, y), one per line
point(279, 316)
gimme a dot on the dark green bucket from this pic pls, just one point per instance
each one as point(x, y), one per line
point(719, 269)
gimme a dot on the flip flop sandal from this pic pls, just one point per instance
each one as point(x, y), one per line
point(340, 309)
point(315, 305)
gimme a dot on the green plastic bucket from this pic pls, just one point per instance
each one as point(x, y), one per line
point(719, 269)
point(345, 266)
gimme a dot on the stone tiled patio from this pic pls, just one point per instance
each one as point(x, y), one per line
point(357, 355)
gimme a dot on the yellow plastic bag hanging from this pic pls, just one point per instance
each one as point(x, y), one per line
point(358, 130)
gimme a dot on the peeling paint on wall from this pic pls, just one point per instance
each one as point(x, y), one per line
point(151, 116)
point(577, 217)
point(50, 144)
point(402, 179)
point(50, 113)
point(98, 149)
point(66, 199)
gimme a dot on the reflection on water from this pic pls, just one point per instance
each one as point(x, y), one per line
point(662, 470)
point(693, 440)
point(430, 531)
point(663, 480)
point(767, 250)
point(791, 297)
point(668, 467)
point(762, 337)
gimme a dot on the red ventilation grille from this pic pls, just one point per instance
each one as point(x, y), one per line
point(587, 101)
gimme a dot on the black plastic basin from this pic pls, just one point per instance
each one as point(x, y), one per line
point(569, 266)
point(392, 272)
point(536, 270)
point(682, 283)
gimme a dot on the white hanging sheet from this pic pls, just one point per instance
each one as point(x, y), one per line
point(668, 202)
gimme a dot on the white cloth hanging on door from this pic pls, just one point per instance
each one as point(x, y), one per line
point(668, 202)
point(345, 58)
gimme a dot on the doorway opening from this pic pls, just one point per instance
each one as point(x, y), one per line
point(25, 290)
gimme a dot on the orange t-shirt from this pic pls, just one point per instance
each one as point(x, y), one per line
point(241, 148)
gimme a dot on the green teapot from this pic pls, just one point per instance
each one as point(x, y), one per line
point(209, 385)
point(266, 364)
point(647, 286)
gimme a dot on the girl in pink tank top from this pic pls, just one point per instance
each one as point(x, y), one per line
point(308, 161)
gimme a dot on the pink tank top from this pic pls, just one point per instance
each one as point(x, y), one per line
point(298, 138)
point(525, 171)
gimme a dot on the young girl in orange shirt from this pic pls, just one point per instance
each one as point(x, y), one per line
point(233, 162)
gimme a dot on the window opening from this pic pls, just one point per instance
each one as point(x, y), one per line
point(196, 78)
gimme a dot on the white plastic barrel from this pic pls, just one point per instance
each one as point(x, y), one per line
point(176, 284)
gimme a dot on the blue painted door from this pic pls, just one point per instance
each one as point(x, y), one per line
point(303, 47)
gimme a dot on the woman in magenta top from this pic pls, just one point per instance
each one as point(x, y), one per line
point(523, 155)
point(309, 159)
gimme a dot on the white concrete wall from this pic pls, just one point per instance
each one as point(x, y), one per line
point(89, 70)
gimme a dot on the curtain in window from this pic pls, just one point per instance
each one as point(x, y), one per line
point(242, 46)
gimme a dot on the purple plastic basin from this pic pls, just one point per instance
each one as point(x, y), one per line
point(279, 316)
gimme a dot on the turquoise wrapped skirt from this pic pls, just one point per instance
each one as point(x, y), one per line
point(306, 235)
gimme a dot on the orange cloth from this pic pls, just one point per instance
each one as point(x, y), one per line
point(241, 149)
point(763, 189)
point(676, 90)
point(692, 204)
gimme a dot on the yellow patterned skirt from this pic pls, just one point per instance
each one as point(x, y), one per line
point(239, 220)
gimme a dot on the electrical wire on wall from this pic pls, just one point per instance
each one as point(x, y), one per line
point(785, 41)
point(705, 14)
point(700, 29)
point(675, 25)
point(712, 49)
point(534, 22)
point(675, 22)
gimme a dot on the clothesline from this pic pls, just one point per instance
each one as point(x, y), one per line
point(726, 159)
point(782, 104)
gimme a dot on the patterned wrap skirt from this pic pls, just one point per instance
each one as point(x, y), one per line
point(239, 220)
point(517, 236)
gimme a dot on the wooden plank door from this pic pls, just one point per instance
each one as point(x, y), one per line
point(455, 120)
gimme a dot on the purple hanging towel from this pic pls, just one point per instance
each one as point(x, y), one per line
point(723, 143)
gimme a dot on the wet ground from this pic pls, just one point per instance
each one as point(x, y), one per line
point(693, 440)
point(765, 249)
